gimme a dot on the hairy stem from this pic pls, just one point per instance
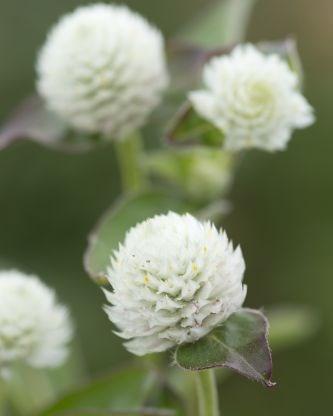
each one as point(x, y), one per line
point(129, 151)
point(207, 393)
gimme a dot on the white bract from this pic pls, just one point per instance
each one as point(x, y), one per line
point(34, 328)
point(253, 98)
point(103, 69)
point(174, 279)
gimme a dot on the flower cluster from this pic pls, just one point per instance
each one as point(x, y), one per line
point(253, 99)
point(174, 279)
point(103, 69)
point(34, 328)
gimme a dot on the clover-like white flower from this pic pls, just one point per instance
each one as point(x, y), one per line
point(34, 328)
point(174, 279)
point(103, 69)
point(253, 98)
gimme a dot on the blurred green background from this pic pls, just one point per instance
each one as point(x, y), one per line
point(283, 203)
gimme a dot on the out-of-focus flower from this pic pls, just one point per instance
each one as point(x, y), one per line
point(202, 173)
point(253, 98)
point(103, 69)
point(174, 279)
point(34, 328)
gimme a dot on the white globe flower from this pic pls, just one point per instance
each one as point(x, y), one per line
point(174, 279)
point(253, 99)
point(34, 328)
point(103, 69)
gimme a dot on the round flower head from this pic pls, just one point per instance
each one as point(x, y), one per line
point(34, 329)
point(174, 279)
point(103, 70)
point(253, 99)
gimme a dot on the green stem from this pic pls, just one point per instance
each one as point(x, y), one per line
point(29, 390)
point(129, 153)
point(207, 393)
point(3, 397)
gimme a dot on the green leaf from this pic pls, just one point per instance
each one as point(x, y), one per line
point(188, 128)
point(291, 325)
point(239, 344)
point(112, 228)
point(33, 121)
point(221, 22)
point(121, 390)
point(134, 412)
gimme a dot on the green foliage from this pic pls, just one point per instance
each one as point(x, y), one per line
point(189, 128)
point(134, 412)
point(121, 390)
point(239, 344)
point(222, 22)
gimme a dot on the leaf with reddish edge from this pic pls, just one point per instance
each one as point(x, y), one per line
point(33, 121)
point(240, 343)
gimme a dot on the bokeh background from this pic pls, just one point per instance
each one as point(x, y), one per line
point(283, 203)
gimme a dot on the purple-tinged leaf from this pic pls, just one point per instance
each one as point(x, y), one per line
point(187, 60)
point(33, 121)
point(240, 343)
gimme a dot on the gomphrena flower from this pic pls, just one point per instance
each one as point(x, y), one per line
point(253, 98)
point(34, 328)
point(103, 69)
point(174, 279)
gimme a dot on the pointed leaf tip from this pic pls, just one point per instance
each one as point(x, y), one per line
point(240, 344)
